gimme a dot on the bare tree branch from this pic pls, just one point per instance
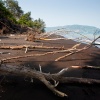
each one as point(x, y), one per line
point(45, 77)
point(73, 48)
point(23, 71)
point(28, 46)
point(84, 48)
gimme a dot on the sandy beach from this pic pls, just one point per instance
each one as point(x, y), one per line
point(19, 88)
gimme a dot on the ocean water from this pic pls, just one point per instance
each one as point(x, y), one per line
point(83, 34)
point(83, 38)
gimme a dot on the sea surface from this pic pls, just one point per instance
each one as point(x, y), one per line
point(79, 33)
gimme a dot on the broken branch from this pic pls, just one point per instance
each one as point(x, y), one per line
point(28, 46)
point(79, 50)
point(45, 77)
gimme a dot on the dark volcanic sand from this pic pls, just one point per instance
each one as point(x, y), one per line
point(19, 88)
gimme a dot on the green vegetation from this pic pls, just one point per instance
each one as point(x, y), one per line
point(14, 8)
point(6, 13)
point(11, 10)
point(39, 25)
point(26, 20)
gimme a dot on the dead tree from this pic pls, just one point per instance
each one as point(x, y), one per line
point(46, 77)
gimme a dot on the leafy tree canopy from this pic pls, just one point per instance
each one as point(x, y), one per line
point(11, 10)
point(39, 24)
point(26, 20)
point(5, 12)
point(14, 8)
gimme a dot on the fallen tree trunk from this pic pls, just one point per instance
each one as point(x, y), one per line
point(46, 77)
point(73, 48)
point(29, 46)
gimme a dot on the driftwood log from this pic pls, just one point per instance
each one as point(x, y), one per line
point(46, 77)
point(28, 46)
point(61, 49)
point(78, 50)
point(70, 51)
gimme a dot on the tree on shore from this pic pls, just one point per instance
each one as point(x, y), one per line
point(4, 12)
point(10, 9)
point(39, 24)
point(14, 8)
point(26, 20)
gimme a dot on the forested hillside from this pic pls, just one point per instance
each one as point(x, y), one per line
point(14, 20)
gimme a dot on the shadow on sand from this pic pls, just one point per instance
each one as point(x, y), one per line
point(19, 88)
point(95, 60)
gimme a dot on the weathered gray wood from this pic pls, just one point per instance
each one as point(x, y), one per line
point(46, 77)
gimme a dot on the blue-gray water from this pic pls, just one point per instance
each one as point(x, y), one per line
point(80, 33)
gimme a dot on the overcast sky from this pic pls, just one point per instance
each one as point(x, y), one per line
point(64, 12)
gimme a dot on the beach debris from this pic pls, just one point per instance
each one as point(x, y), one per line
point(12, 35)
point(69, 51)
point(62, 71)
point(30, 37)
point(19, 47)
point(5, 53)
point(76, 66)
point(40, 68)
point(46, 78)
point(78, 50)
point(26, 49)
